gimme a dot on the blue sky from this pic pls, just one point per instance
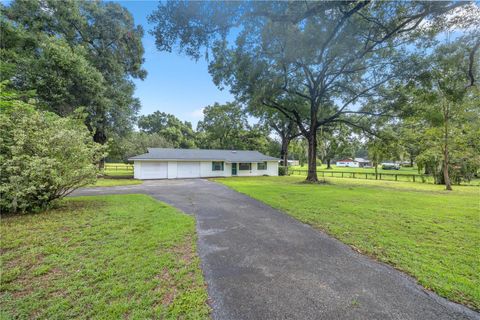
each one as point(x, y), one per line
point(175, 83)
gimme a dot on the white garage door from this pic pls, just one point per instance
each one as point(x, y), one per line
point(154, 170)
point(188, 169)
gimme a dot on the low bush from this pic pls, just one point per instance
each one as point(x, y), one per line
point(282, 171)
point(43, 156)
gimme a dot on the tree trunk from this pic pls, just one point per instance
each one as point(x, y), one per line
point(100, 137)
point(328, 164)
point(427, 170)
point(446, 177)
point(284, 151)
point(312, 157)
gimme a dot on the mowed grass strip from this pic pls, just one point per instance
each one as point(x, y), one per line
point(105, 182)
point(403, 170)
point(118, 169)
point(405, 174)
point(102, 257)
point(432, 234)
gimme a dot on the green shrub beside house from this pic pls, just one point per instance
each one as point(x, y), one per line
point(43, 156)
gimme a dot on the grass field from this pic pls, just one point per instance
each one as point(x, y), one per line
point(404, 174)
point(105, 257)
point(118, 169)
point(403, 170)
point(419, 228)
point(105, 182)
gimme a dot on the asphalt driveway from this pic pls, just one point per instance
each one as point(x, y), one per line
point(262, 264)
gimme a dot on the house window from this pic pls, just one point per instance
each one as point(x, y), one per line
point(262, 165)
point(217, 166)
point(244, 166)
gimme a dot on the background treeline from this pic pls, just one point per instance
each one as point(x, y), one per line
point(222, 127)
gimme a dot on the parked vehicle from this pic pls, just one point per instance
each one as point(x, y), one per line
point(390, 166)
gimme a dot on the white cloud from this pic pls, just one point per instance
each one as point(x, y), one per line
point(198, 113)
point(463, 19)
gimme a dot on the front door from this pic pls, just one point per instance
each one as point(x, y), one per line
point(234, 169)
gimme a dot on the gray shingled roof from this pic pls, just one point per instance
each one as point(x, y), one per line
point(203, 154)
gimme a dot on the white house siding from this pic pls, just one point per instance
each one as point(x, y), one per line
point(137, 169)
point(172, 169)
point(206, 170)
point(150, 170)
point(228, 169)
point(191, 169)
point(272, 170)
point(188, 169)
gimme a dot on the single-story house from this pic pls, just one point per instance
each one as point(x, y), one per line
point(166, 163)
point(354, 163)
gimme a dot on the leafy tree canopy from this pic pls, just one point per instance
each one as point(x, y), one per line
point(135, 143)
point(179, 134)
point(443, 113)
point(226, 127)
point(75, 54)
point(317, 63)
point(336, 143)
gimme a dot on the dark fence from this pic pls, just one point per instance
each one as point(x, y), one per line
point(119, 168)
point(367, 175)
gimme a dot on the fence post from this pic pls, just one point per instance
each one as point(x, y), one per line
point(380, 176)
point(396, 177)
point(366, 176)
point(342, 174)
point(413, 178)
point(354, 175)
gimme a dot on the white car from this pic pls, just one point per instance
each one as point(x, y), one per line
point(390, 166)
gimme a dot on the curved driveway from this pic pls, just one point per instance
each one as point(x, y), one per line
point(262, 264)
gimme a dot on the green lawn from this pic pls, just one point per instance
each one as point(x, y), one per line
point(118, 166)
point(404, 174)
point(421, 229)
point(103, 257)
point(105, 182)
point(403, 170)
point(118, 169)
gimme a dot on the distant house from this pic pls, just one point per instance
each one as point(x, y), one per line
point(354, 163)
point(164, 163)
point(290, 162)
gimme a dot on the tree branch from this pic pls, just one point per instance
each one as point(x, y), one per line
point(471, 59)
point(296, 117)
point(348, 122)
